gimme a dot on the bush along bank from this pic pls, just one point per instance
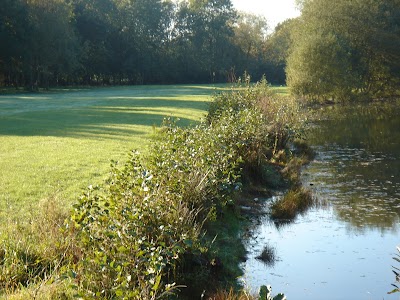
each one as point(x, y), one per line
point(162, 226)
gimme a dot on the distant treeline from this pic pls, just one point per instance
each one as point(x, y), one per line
point(64, 42)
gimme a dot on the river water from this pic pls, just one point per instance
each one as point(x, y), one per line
point(345, 249)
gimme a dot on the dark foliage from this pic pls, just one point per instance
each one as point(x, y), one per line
point(111, 42)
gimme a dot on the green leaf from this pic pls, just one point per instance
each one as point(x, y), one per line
point(122, 249)
point(157, 283)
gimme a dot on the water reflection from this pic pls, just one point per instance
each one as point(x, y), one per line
point(344, 251)
point(318, 258)
point(358, 165)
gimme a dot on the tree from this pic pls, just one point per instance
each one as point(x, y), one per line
point(148, 24)
point(51, 42)
point(250, 38)
point(345, 49)
point(13, 34)
point(277, 51)
point(39, 46)
point(203, 33)
point(95, 23)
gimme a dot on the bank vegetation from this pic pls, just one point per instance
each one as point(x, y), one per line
point(164, 225)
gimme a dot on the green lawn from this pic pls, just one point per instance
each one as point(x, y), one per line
point(52, 145)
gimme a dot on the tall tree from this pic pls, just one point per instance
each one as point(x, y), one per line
point(95, 22)
point(250, 39)
point(50, 42)
point(203, 32)
point(277, 51)
point(148, 25)
point(53, 44)
point(345, 49)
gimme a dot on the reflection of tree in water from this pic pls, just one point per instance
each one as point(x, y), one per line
point(358, 166)
point(373, 127)
point(366, 217)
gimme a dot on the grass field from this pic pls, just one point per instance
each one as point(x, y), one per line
point(54, 144)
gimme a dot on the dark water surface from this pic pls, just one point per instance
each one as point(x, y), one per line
point(344, 250)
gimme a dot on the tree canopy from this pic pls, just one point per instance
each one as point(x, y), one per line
point(64, 42)
point(335, 50)
point(345, 49)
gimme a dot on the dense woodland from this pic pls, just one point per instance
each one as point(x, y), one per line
point(335, 50)
point(63, 42)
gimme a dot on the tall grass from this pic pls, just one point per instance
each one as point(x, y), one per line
point(32, 252)
point(294, 202)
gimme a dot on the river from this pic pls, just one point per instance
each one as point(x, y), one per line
point(344, 249)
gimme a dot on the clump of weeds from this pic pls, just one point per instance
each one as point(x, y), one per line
point(296, 201)
point(268, 255)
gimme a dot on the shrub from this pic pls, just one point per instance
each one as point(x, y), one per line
point(197, 164)
point(131, 234)
point(135, 234)
point(281, 118)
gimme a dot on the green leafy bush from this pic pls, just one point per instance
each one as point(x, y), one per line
point(131, 234)
point(135, 233)
point(281, 120)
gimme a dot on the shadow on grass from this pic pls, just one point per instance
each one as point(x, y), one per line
point(113, 112)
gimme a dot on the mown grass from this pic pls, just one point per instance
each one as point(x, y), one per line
point(53, 144)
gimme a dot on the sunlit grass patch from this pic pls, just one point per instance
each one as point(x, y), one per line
point(47, 291)
point(232, 295)
point(281, 90)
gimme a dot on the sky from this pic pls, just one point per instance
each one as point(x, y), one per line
point(275, 11)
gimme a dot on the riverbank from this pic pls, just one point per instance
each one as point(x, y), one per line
point(180, 191)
